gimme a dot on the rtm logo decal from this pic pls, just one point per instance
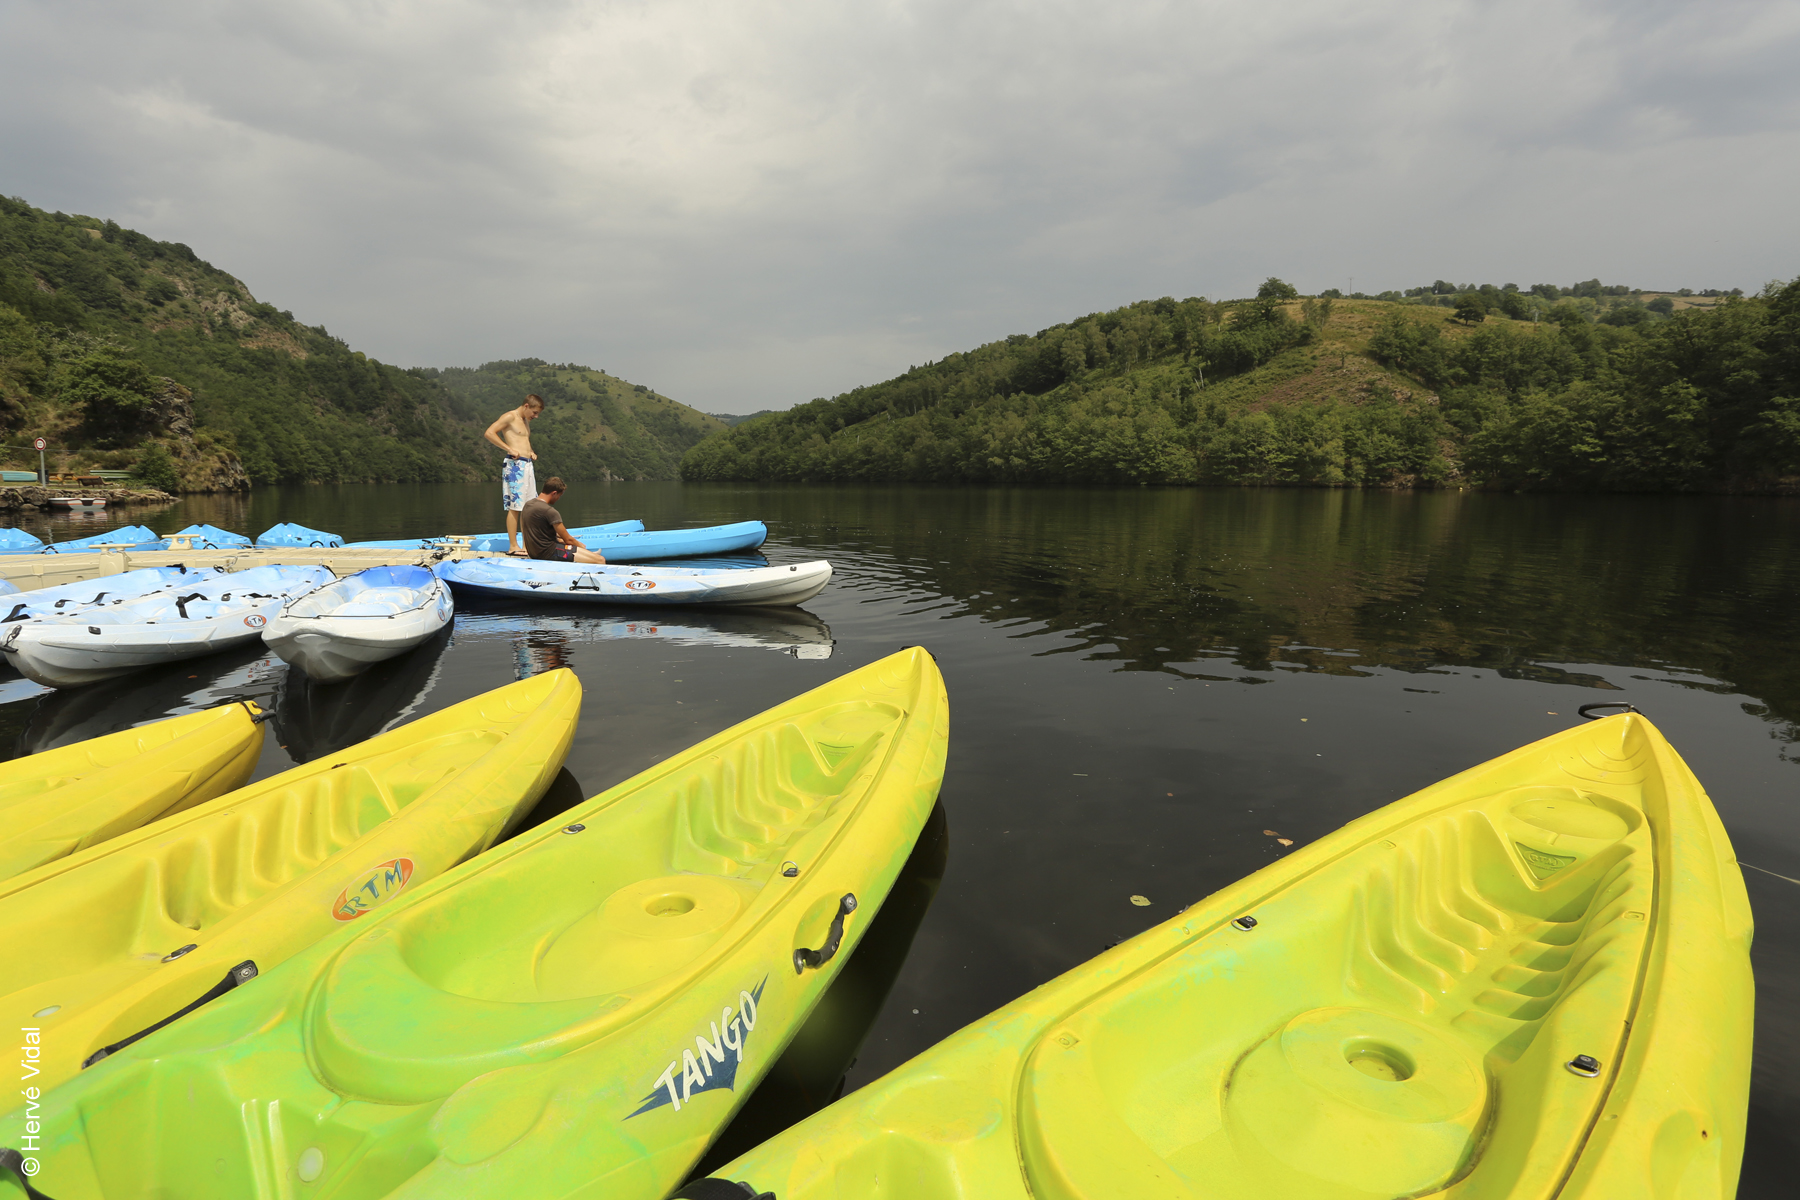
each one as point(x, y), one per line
point(696, 1072)
point(372, 888)
point(640, 585)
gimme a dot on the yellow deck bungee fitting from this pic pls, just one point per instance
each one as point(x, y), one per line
point(113, 941)
point(1529, 981)
point(56, 802)
point(577, 1012)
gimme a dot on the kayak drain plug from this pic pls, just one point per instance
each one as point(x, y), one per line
point(573, 828)
point(1246, 924)
point(1585, 1065)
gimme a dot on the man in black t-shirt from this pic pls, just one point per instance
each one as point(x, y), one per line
point(542, 530)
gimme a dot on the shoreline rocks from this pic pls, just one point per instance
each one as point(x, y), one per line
point(13, 499)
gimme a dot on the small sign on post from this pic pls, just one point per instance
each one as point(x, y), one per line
point(43, 476)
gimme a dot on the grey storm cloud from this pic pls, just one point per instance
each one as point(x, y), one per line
point(748, 204)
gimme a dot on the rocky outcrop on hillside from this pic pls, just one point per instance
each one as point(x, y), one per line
point(203, 465)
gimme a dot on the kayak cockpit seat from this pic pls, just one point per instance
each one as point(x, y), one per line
point(374, 592)
point(501, 971)
point(1357, 1039)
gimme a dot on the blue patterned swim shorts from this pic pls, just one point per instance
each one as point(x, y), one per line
point(518, 482)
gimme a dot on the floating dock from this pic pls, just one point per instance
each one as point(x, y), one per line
point(28, 572)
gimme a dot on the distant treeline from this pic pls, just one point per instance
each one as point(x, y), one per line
point(1247, 392)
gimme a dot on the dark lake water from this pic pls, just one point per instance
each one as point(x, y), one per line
point(1142, 683)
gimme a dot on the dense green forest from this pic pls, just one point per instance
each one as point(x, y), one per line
point(594, 426)
point(130, 353)
point(1593, 386)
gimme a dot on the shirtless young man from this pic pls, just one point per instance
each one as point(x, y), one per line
point(518, 476)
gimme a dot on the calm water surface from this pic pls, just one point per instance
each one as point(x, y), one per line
point(1144, 684)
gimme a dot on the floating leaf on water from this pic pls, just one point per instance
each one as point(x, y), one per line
point(1270, 833)
point(1141, 901)
point(1285, 841)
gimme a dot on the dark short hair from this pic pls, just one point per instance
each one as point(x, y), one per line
point(534, 398)
point(554, 484)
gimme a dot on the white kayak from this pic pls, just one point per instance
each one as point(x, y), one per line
point(218, 611)
point(539, 579)
point(347, 626)
point(105, 591)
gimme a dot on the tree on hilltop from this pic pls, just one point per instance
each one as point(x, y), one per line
point(1470, 310)
point(1276, 289)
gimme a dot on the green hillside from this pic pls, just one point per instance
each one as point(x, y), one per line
point(594, 426)
point(130, 353)
point(1587, 387)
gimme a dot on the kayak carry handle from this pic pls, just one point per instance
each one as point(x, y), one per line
point(17, 614)
point(1585, 709)
point(719, 1189)
point(182, 603)
point(243, 973)
point(12, 1160)
point(804, 958)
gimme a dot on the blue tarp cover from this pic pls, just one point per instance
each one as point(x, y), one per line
point(289, 534)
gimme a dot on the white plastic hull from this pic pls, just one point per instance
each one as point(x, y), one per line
point(231, 609)
point(63, 655)
point(535, 579)
point(330, 649)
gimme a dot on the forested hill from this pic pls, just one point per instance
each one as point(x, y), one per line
point(130, 353)
point(594, 425)
point(1589, 387)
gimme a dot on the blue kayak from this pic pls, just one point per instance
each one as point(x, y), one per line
point(628, 542)
point(17, 541)
point(289, 534)
point(486, 541)
point(136, 536)
point(103, 592)
point(671, 543)
point(211, 537)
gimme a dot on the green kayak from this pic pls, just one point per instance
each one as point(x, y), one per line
point(579, 1011)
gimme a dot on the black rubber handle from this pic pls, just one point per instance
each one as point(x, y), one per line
point(182, 603)
point(244, 972)
point(719, 1189)
point(1585, 710)
point(804, 958)
point(12, 1160)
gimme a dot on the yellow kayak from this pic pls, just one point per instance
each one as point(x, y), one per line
point(57, 802)
point(108, 943)
point(1531, 980)
point(577, 1012)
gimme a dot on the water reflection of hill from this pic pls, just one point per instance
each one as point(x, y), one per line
point(1227, 583)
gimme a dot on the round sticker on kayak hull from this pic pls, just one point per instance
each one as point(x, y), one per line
point(256, 620)
point(372, 889)
point(640, 585)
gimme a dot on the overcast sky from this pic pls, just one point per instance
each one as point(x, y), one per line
point(747, 204)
